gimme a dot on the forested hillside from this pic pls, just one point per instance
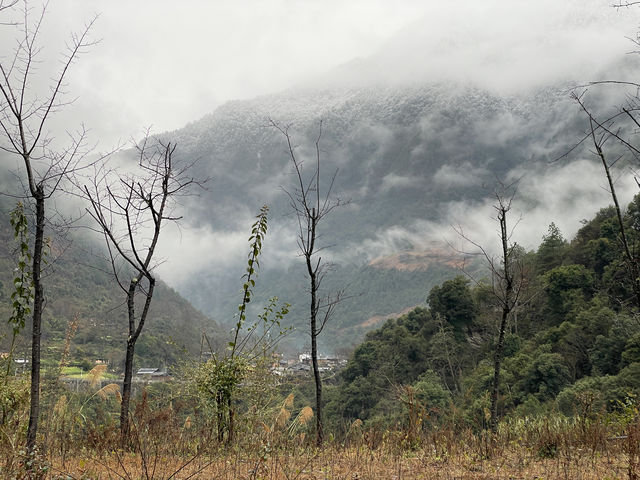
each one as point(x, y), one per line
point(80, 284)
point(572, 343)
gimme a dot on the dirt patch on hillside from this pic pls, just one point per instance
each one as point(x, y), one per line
point(418, 260)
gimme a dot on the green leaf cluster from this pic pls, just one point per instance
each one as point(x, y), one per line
point(217, 378)
point(23, 289)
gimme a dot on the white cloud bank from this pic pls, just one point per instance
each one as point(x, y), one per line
point(563, 194)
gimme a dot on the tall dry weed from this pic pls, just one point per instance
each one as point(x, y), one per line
point(111, 389)
point(95, 375)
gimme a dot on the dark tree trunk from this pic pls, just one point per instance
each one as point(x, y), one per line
point(507, 278)
point(38, 303)
point(220, 414)
point(225, 416)
point(231, 414)
point(126, 392)
point(134, 333)
point(314, 361)
point(128, 362)
point(497, 363)
point(313, 277)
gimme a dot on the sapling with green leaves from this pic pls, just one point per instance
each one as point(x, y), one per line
point(12, 393)
point(22, 294)
point(219, 377)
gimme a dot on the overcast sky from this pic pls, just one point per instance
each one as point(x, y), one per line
point(165, 63)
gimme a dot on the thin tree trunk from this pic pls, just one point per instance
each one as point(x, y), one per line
point(452, 372)
point(631, 262)
point(231, 415)
point(38, 302)
point(316, 376)
point(126, 393)
point(314, 353)
point(220, 403)
point(506, 309)
point(497, 363)
point(318, 382)
point(134, 333)
point(128, 364)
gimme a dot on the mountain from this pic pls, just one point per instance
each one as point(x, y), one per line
point(418, 136)
point(412, 159)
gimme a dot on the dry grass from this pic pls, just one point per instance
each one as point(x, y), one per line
point(95, 375)
point(164, 449)
point(352, 463)
point(176, 439)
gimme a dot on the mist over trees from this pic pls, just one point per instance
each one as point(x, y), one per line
point(532, 348)
point(573, 338)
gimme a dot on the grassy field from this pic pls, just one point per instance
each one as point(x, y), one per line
point(336, 462)
point(80, 374)
point(175, 436)
point(539, 451)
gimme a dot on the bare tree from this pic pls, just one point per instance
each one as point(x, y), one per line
point(620, 129)
point(25, 114)
point(130, 211)
point(311, 205)
point(599, 133)
point(508, 280)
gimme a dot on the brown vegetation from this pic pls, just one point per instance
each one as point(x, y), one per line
point(164, 445)
point(358, 463)
point(418, 260)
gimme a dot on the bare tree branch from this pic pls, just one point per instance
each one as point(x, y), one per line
point(311, 205)
point(24, 118)
point(624, 4)
point(127, 209)
point(508, 279)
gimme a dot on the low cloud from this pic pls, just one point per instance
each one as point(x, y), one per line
point(563, 194)
point(501, 45)
point(193, 251)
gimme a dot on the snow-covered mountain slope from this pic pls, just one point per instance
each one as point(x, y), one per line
point(411, 159)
